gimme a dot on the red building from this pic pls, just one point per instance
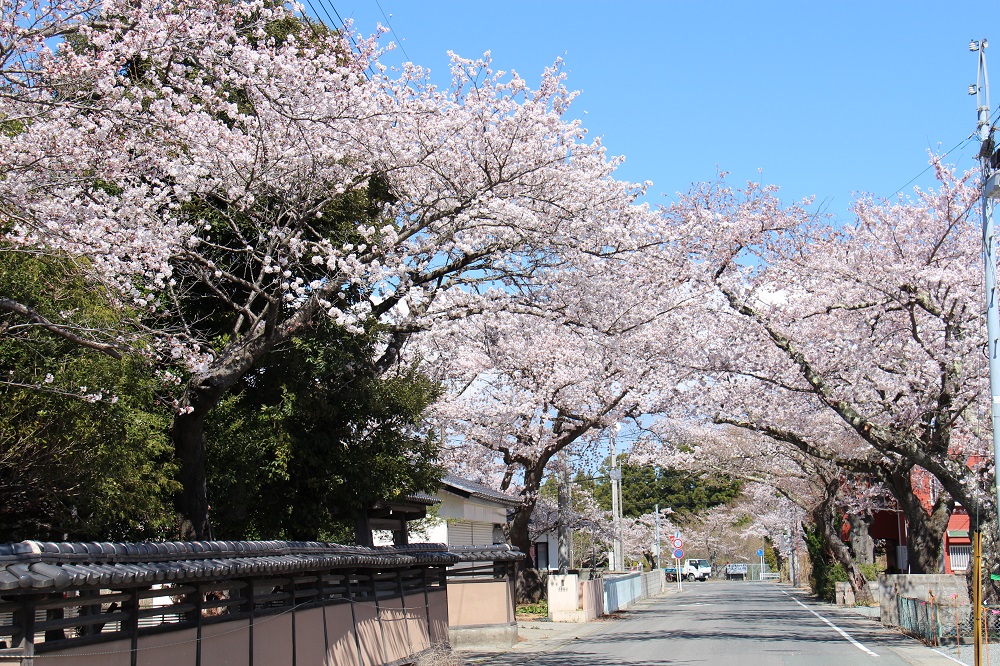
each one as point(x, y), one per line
point(892, 526)
point(957, 544)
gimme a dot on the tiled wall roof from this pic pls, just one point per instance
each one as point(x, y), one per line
point(45, 566)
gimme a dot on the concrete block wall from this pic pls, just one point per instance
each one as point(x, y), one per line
point(573, 600)
point(946, 589)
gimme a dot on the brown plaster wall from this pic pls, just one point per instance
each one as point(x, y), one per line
point(343, 650)
point(225, 644)
point(370, 633)
point(438, 606)
point(272, 640)
point(310, 643)
point(390, 632)
point(394, 636)
point(89, 655)
point(473, 603)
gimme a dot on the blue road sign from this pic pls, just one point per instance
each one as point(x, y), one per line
point(678, 554)
point(760, 552)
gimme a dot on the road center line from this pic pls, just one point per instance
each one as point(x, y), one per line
point(833, 626)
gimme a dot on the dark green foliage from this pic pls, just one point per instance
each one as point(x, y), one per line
point(770, 556)
point(313, 437)
point(70, 468)
point(825, 571)
point(687, 493)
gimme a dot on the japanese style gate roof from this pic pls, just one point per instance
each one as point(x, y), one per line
point(45, 566)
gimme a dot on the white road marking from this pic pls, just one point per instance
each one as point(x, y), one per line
point(833, 626)
point(948, 656)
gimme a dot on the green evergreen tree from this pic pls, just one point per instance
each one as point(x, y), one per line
point(84, 451)
point(645, 486)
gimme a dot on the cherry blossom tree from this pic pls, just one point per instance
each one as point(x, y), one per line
point(233, 172)
point(591, 527)
point(557, 368)
point(858, 345)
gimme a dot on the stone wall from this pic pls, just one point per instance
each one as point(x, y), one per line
point(945, 589)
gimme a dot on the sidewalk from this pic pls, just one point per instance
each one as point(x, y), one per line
point(536, 638)
point(540, 636)
point(917, 652)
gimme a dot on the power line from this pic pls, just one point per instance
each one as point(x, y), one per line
point(316, 13)
point(398, 40)
point(960, 144)
point(343, 28)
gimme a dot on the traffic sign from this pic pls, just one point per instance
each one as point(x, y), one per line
point(678, 554)
point(677, 542)
point(760, 552)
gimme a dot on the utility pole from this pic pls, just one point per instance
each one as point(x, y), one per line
point(658, 567)
point(564, 534)
point(991, 190)
point(792, 556)
point(616, 481)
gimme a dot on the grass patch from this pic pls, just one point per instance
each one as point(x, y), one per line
point(540, 609)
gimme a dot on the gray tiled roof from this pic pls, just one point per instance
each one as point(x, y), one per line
point(479, 490)
point(39, 566)
point(496, 553)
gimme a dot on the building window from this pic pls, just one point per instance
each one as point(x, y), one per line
point(960, 556)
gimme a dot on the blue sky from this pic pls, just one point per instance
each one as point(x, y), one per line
point(824, 98)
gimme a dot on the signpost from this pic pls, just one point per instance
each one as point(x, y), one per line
point(678, 556)
point(760, 554)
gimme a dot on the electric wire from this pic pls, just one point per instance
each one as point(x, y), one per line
point(994, 119)
point(350, 34)
point(389, 25)
point(316, 16)
point(960, 144)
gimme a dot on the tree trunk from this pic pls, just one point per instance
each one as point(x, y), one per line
point(925, 529)
point(862, 544)
point(534, 471)
point(202, 393)
point(824, 516)
point(519, 535)
point(188, 433)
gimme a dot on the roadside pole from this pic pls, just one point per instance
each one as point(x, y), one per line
point(658, 537)
point(991, 190)
point(616, 480)
point(562, 535)
point(977, 595)
point(795, 580)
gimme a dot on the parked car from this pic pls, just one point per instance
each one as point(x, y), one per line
point(697, 570)
point(694, 569)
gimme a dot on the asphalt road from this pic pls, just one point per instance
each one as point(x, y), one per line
point(718, 622)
